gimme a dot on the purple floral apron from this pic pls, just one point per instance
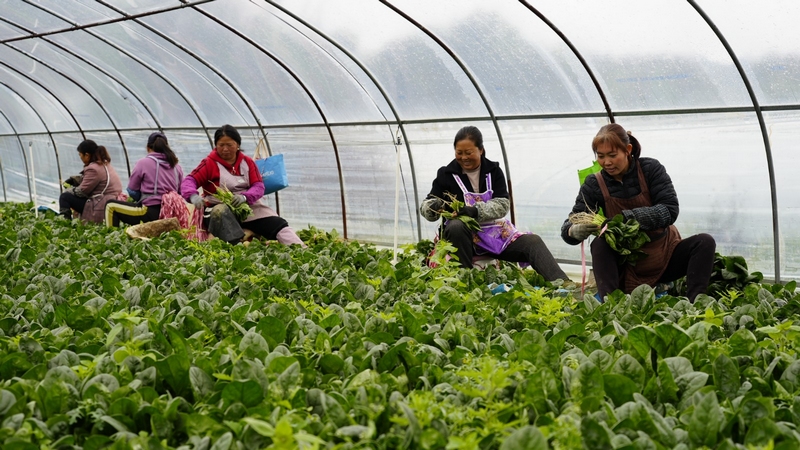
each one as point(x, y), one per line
point(495, 235)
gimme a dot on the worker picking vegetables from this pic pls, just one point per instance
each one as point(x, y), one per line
point(231, 194)
point(638, 195)
point(471, 194)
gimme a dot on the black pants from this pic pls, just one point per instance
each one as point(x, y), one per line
point(69, 201)
point(222, 223)
point(693, 257)
point(130, 213)
point(528, 248)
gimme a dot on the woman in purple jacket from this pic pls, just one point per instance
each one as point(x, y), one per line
point(152, 177)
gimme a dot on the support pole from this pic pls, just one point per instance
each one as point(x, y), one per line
point(397, 144)
point(33, 177)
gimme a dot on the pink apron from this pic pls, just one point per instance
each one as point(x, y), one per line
point(239, 184)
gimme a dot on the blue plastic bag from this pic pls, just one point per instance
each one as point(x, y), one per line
point(273, 171)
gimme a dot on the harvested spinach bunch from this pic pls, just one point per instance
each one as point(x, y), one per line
point(623, 236)
point(225, 196)
point(453, 206)
point(626, 238)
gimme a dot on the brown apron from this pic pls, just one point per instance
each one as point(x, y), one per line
point(663, 241)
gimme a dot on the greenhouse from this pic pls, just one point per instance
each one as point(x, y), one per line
point(173, 343)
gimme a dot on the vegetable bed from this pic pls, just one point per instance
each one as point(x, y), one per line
point(107, 342)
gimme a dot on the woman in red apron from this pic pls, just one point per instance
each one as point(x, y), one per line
point(481, 185)
point(640, 189)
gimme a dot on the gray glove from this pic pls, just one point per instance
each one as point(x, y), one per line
point(74, 180)
point(238, 199)
point(470, 211)
point(436, 204)
point(581, 231)
point(197, 201)
point(79, 193)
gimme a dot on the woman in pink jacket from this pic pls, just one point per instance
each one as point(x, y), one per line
point(97, 183)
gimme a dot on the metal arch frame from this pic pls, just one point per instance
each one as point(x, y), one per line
point(47, 129)
point(91, 64)
point(764, 134)
point(310, 96)
point(2, 170)
point(57, 99)
point(211, 67)
point(19, 139)
point(129, 55)
point(85, 90)
point(3, 176)
point(584, 63)
point(474, 82)
point(200, 59)
point(380, 88)
point(126, 17)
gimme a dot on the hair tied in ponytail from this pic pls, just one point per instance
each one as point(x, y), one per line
point(151, 140)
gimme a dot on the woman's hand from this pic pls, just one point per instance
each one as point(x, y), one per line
point(197, 201)
point(74, 180)
point(469, 211)
point(436, 204)
point(238, 199)
point(581, 231)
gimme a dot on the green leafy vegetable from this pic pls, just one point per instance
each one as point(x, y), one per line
point(453, 205)
point(225, 196)
point(109, 342)
point(623, 236)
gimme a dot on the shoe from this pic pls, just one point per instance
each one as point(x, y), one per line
point(561, 292)
point(66, 213)
point(662, 289)
point(499, 288)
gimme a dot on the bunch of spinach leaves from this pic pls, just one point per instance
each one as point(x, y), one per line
point(626, 238)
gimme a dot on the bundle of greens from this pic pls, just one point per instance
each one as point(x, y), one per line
point(225, 196)
point(454, 205)
point(624, 236)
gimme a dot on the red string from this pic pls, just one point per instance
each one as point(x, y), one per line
point(196, 223)
point(583, 269)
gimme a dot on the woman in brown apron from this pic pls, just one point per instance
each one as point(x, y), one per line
point(639, 189)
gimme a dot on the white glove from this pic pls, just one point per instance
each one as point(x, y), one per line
point(238, 199)
point(581, 231)
point(197, 201)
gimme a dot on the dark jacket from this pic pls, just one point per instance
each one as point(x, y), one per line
point(665, 208)
point(445, 183)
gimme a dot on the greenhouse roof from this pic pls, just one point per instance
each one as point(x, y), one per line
point(363, 96)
